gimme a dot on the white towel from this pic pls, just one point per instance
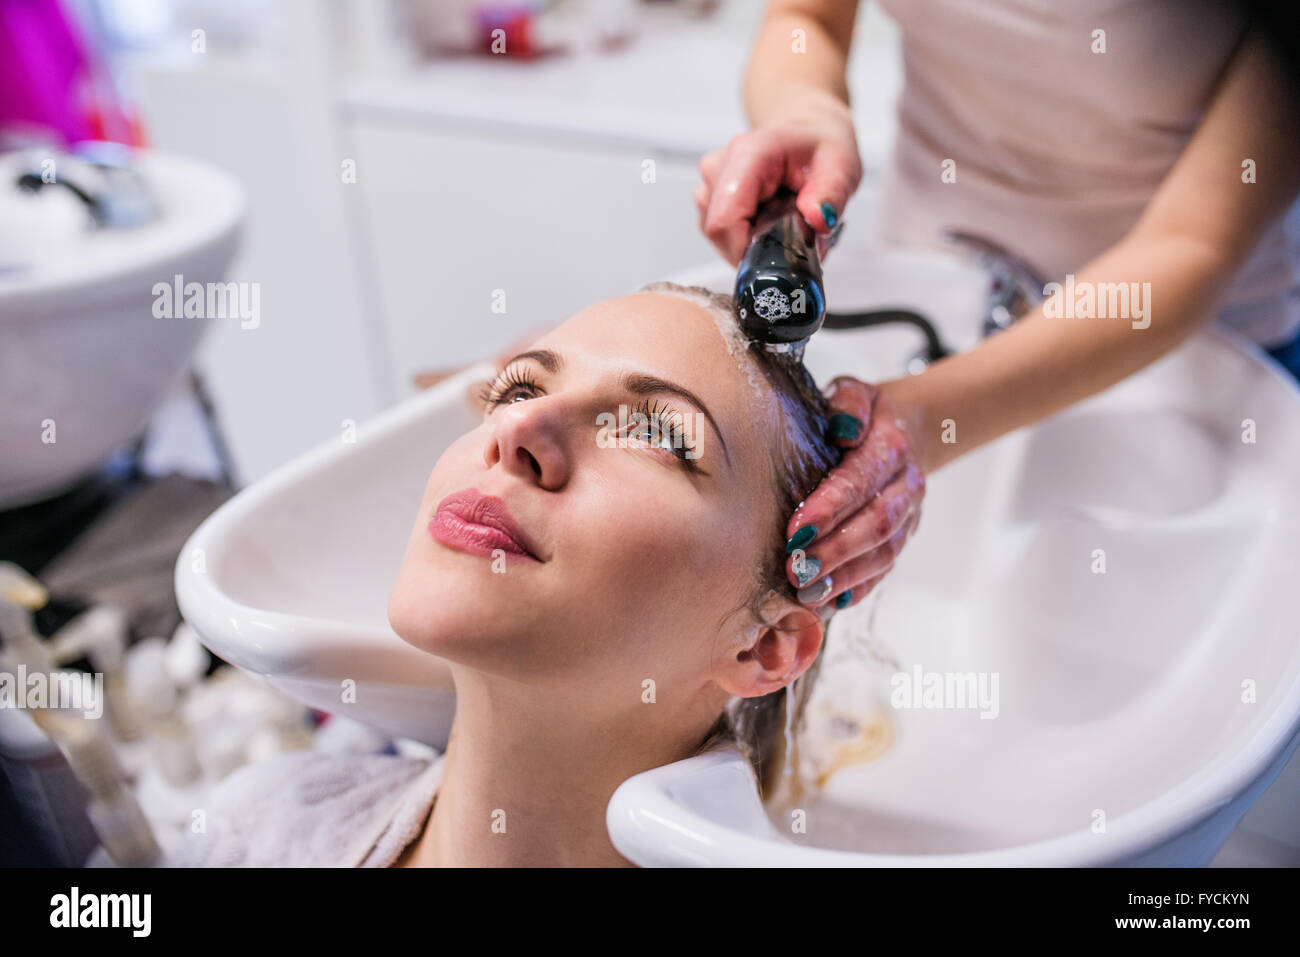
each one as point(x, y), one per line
point(315, 809)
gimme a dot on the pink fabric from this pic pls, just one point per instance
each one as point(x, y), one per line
point(1058, 149)
point(43, 69)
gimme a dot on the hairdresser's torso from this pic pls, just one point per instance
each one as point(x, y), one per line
point(1058, 148)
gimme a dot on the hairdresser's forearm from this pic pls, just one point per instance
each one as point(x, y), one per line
point(780, 83)
point(1042, 365)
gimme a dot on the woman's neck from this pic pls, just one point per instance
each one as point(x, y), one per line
point(526, 784)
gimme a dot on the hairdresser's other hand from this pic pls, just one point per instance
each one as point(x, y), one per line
point(854, 524)
point(811, 150)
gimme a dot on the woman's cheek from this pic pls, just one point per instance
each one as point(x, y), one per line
point(671, 541)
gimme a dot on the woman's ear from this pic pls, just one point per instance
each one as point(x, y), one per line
point(774, 653)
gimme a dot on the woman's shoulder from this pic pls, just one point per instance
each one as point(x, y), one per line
point(301, 809)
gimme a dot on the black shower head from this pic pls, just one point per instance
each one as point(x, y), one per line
point(780, 300)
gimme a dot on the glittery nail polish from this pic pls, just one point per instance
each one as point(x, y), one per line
point(817, 591)
point(807, 570)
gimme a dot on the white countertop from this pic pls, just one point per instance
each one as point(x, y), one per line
point(674, 89)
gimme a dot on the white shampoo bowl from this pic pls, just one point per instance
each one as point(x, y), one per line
point(1120, 693)
point(289, 579)
point(79, 344)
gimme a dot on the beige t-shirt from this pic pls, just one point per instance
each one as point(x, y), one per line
point(1057, 148)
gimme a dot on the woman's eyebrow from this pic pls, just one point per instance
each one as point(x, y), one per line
point(641, 383)
point(637, 383)
point(546, 358)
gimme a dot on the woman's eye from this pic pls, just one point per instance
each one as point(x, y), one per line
point(510, 385)
point(661, 432)
point(650, 434)
point(511, 395)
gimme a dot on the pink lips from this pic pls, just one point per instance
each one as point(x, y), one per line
point(480, 524)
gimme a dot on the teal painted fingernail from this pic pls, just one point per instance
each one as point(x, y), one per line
point(817, 592)
point(800, 538)
point(807, 570)
point(844, 599)
point(829, 214)
point(845, 426)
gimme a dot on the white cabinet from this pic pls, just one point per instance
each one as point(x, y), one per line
point(477, 174)
point(459, 219)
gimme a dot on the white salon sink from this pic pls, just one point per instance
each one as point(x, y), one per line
point(83, 360)
point(289, 579)
point(1121, 694)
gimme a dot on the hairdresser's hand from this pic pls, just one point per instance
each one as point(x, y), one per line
point(854, 524)
point(812, 151)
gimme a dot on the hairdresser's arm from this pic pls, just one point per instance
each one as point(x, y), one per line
point(780, 81)
point(801, 135)
point(1198, 229)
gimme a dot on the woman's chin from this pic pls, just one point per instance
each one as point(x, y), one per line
point(451, 615)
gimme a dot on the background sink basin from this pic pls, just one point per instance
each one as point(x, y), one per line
point(79, 343)
point(1121, 694)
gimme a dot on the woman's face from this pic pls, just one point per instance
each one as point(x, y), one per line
point(642, 547)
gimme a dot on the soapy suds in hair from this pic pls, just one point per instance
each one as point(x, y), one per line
point(738, 348)
point(789, 403)
point(718, 307)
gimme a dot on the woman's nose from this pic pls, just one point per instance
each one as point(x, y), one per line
point(527, 439)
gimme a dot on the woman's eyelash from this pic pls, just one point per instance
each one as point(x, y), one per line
point(501, 389)
point(665, 421)
point(661, 419)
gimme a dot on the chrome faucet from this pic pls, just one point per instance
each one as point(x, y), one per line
point(1015, 287)
point(102, 175)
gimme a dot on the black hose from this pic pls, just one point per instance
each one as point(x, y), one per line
point(934, 347)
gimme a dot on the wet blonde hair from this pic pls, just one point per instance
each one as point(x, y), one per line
point(756, 725)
